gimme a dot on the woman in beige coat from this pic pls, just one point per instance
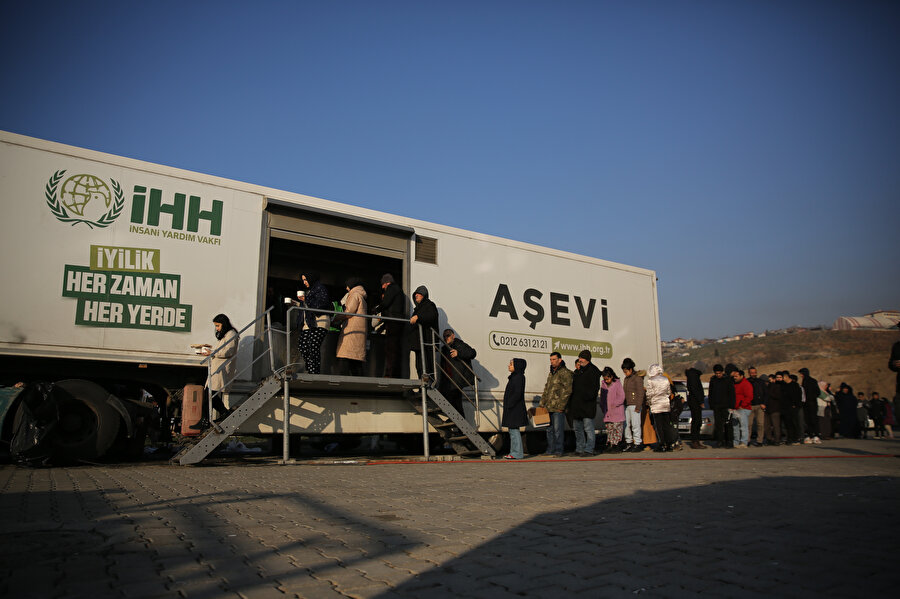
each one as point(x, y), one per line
point(351, 347)
point(221, 368)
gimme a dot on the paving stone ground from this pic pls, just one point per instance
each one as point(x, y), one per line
point(769, 522)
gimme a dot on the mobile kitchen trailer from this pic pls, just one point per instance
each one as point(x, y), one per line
point(113, 267)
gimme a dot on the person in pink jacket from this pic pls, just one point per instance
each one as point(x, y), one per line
point(614, 418)
point(743, 399)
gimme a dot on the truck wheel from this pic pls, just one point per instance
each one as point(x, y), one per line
point(87, 424)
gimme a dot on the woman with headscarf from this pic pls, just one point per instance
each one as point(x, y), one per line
point(614, 415)
point(221, 368)
point(514, 415)
point(351, 346)
point(846, 405)
point(825, 403)
point(314, 325)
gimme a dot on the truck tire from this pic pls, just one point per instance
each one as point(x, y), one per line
point(88, 425)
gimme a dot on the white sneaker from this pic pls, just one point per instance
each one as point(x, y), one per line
point(817, 440)
point(807, 441)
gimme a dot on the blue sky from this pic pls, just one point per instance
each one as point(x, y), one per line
point(749, 152)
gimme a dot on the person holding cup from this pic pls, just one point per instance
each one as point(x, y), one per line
point(314, 325)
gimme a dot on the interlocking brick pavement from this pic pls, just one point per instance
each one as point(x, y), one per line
point(738, 523)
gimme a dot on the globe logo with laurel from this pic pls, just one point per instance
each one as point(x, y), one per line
point(84, 199)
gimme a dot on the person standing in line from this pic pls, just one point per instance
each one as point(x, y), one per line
point(721, 400)
point(614, 415)
point(351, 346)
point(514, 414)
point(888, 422)
point(757, 407)
point(393, 305)
point(659, 392)
point(862, 414)
point(811, 407)
point(555, 398)
point(695, 403)
point(825, 403)
point(583, 403)
point(791, 407)
point(424, 319)
point(774, 396)
point(877, 412)
point(743, 403)
point(314, 325)
point(846, 404)
point(633, 386)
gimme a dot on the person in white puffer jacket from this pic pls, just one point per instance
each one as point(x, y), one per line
point(658, 391)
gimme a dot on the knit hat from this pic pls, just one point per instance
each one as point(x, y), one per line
point(387, 279)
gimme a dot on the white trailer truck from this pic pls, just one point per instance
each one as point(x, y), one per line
point(113, 267)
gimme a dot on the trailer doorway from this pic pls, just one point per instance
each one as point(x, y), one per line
point(338, 247)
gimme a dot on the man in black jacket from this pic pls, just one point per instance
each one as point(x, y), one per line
point(582, 406)
point(791, 405)
point(774, 396)
point(695, 403)
point(721, 400)
point(424, 319)
point(456, 369)
point(393, 305)
point(810, 407)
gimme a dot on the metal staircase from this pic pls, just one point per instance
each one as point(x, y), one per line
point(454, 428)
point(206, 443)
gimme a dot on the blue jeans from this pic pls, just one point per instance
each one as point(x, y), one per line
point(632, 425)
point(556, 432)
point(584, 435)
point(515, 444)
point(741, 424)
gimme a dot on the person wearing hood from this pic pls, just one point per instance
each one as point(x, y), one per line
point(810, 407)
point(314, 325)
point(555, 397)
point(846, 404)
point(351, 346)
point(695, 403)
point(659, 391)
point(425, 319)
point(582, 406)
point(614, 414)
point(514, 414)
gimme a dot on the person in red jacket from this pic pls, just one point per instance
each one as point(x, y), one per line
point(743, 400)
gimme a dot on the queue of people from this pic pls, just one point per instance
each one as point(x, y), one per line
point(642, 409)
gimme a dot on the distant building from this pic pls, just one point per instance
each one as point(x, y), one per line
point(880, 320)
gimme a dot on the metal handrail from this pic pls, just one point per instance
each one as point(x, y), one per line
point(474, 385)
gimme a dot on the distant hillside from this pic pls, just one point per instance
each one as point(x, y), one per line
point(858, 358)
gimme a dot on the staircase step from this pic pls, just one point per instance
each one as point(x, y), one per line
point(458, 439)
